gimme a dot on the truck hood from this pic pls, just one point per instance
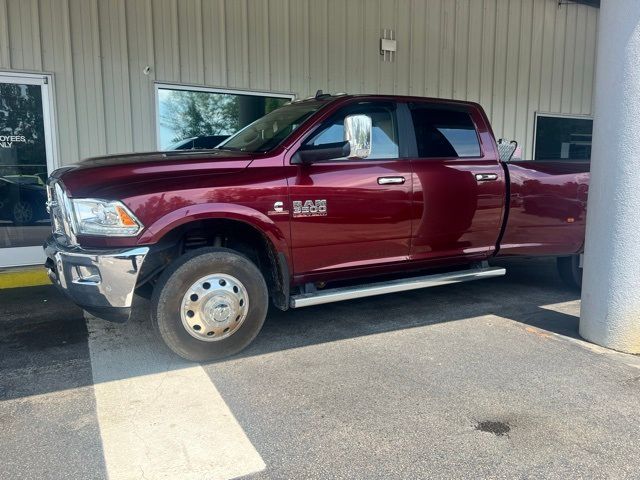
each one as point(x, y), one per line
point(112, 175)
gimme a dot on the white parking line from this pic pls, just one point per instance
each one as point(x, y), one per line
point(161, 417)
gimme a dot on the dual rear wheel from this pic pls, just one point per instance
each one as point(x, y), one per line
point(570, 271)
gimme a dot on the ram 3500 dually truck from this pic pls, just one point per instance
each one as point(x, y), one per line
point(322, 200)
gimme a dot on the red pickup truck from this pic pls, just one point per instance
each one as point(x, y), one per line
point(325, 199)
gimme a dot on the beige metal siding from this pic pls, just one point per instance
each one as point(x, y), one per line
point(515, 57)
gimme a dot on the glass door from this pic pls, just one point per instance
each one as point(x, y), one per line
point(26, 158)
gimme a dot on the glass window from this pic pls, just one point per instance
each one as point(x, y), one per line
point(24, 220)
point(269, 131)
point(563, 138)
point(442, 132)
point(384, 133)
point(191, 119)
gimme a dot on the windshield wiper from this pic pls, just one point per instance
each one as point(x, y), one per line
point(230, 149)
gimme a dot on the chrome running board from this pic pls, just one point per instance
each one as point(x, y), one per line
point(369, 290)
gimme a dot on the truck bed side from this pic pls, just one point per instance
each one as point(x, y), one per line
point(546, 209)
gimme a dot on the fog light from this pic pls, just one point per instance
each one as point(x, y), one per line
point(87, 274)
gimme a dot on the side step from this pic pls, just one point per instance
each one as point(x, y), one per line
point(401, 285)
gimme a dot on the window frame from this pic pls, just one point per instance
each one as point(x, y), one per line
point(157, 86)
point(573, 116)
point(396, 110)
point(471, 112)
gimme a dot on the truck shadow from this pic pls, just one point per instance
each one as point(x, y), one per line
point(45, 343)
point(531, 293)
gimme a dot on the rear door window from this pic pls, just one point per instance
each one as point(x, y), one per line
point(444, 132)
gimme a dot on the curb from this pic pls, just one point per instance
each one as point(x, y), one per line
point(23, 277)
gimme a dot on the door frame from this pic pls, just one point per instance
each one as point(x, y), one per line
point(363, 267)
point(34, 255)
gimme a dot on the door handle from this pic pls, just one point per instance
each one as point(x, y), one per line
point(486, 177)
point(391, 180)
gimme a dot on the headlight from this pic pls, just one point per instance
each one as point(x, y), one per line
point(104, 217)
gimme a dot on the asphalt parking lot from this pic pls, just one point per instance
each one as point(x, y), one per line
point(481, 380)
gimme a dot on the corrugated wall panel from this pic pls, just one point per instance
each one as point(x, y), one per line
point(355, 44)
point(487, 53)
point(139, 23)
point(403, 55)
point(190, 42)
point(24, 35)
point(433, 22)
point(589, 62)
point(299, 46)
point(115, 75)
point(418, 53)
point(498, 91)
point(87, 76)
point(259, 48)
point(337, 47)
point(388, 70)
point(535, 68)
point(5, 57)
point(56, 55)
point(461, 49)
point(279, 43)
point(524, 72)
point(236, 21)
point(215, 42)
point(318, 51)
point(373, 25)
point(165, 40)
point(510, 92)
point(515, 57)
point(474, 50)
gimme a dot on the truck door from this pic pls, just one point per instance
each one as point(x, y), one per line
point(352, 212)
point(458, 183)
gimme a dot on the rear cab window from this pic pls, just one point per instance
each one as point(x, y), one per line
point(444, 132)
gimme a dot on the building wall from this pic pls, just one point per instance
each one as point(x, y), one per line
point(515, 57)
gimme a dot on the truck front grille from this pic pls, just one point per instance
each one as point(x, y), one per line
point(54, 211)
point(58, 206)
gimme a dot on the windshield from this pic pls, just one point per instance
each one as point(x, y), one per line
point(269, 131)
point(180, 144)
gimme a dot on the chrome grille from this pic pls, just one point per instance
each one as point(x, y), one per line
point(59, 207)
point(54, 210)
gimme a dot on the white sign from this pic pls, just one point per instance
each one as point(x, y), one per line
point(7, 141)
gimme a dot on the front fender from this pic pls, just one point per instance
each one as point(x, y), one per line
point(207, 211)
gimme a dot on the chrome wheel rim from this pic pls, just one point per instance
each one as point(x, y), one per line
point(214, 307)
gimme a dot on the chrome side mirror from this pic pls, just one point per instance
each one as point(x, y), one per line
point(357, 131)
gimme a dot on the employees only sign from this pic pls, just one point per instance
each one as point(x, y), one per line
point(7, 141)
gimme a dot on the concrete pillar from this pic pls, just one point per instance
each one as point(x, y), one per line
point(611, 279)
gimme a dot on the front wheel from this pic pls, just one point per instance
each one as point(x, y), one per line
point(209, 304)
point(570, 271)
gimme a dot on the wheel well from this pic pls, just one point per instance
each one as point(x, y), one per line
point(233, 234)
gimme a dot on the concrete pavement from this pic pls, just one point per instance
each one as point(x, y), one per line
point(487, 379)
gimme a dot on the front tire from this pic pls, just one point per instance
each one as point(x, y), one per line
point(209, 304)
point(570, 271)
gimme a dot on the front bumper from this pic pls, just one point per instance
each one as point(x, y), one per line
point(100, 281)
